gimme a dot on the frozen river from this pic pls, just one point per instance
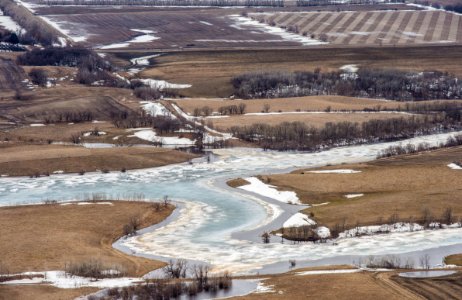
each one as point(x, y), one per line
point(219, 225)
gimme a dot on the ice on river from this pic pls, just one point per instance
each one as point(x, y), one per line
point(204, 229)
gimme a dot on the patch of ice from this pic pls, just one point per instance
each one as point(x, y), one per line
point(258, 187)
point(58, 172)
point(338, 171)
point(351, 196)
point(37, 125)
point(298, 220)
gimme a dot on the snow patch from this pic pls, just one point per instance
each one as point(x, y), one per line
point(151, 136)
point(244, 23)
point(162, 84)
point(258, 187)
point(156, 109)
point(63, 280)
point(455, 166)
point(298, 220)
point(377, 229)
point(349, 68)
point(351, 196)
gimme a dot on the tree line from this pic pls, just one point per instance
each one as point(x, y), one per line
point(370, 83)
point(217, 3)
point(336, 2)
point(300, 136)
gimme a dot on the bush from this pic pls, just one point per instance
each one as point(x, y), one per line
point(38, 77)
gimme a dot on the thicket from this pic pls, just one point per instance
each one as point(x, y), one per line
point(163, 124)
point(172, 288)
point(35, 30)
point(410, 149)
point(38, 77)
point(93, 269)
point(388, 84)
point(300, 136)
point(62, 56)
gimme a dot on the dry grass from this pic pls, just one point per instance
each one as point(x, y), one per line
point(45, 237)
point(31, 159)
point(316, 120)
point(362, 285)
point(310, 103)
point(455, 259)
point(404, 185)
point(237, 182)
point(447, 287)
point(210, 72)
point(41, 292)
point(101, 101)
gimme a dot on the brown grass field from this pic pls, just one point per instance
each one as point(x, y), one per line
point(316, 120)
point(362, 285)
point(50, 102)
point(57, 235)
point(405, 185)
point(41, 292)
point(372, 27)
point(26, 160)
point(309, 103)
point(447, 287)
point(210, 72)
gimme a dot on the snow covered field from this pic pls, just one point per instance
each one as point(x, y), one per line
point(212, 214)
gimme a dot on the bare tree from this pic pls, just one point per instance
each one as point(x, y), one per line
point(176, 269)
point(266, 237)
point(447, 217)
point(424, 261)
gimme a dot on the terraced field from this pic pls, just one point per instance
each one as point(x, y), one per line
point(372, 27)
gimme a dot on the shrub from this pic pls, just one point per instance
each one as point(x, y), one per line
point(38, 77)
